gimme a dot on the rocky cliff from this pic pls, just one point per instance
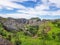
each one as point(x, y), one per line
point(11, 24)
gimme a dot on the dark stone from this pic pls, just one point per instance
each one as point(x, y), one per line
point(4, 41)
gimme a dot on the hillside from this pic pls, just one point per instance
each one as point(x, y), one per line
point(32, 31)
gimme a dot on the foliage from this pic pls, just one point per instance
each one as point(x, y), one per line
point(33, 29)
point(19, 38)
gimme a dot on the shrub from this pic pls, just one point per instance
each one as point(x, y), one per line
point(33, 29)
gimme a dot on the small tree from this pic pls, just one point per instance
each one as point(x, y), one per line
point(17, 42)
point(9, 37)
point(33, 29)
point(44, 35)
point(58, 35)
point(58, 25)
point(53, 35)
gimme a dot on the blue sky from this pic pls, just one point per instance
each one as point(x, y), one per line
point(47, 9)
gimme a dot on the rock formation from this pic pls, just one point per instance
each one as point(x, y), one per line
point(4, 41)
point(11, 24)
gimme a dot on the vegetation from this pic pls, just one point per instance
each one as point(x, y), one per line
point(40, 36)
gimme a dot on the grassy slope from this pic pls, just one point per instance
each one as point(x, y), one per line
point(53, 28)
point(26, 40)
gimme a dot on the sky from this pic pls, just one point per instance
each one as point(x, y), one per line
point(44, 9)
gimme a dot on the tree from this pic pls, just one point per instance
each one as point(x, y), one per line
point(17, 42)
point(9, 37)
point(58, 35)
point(44, 35)
point(53, 35)
point(33, 29)
point(58, 24)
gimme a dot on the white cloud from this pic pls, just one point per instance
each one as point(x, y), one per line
point(8, 3)
point(57, 2)
point(9, 8)
point(18, 0)
point(56, 13)
point(29, 12)
point(1, 7)
point(18, 15)
point(22, 0)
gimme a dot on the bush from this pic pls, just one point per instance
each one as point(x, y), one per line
point(58, 35)
point(53, 35)
point(33, 29)
point(17, 42)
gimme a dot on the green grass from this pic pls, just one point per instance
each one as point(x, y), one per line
point(53, 28)
point(27, 40)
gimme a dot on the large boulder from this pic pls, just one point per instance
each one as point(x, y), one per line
point(4, 41)
point(10, 25)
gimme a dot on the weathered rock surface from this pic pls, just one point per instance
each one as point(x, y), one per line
point(12, 24)
point(4, 41)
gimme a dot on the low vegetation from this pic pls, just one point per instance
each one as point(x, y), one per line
point(47, 33)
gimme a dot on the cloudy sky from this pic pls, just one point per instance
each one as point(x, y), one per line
point(47, 9)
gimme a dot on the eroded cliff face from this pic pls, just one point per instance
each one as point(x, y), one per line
point(17, 24)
